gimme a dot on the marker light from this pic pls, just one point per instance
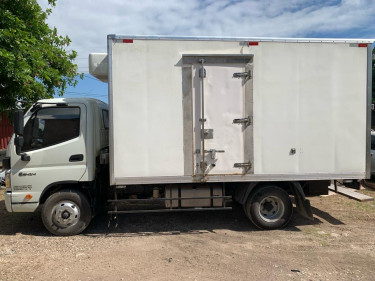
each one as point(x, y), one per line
point(28, 196)
point(253, 43)
point(127, 41)
point(7, 180)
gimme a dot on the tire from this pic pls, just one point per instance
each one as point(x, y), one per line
point(66, 212)
point(269, 207)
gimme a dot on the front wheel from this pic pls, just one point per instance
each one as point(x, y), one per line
point(66, 212)
point(269, 207)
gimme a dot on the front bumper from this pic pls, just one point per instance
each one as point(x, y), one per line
point(8, 201)
point(18, 206)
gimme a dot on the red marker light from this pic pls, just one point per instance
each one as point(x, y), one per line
point(127, 41)
point(253, 43)
point(362, 45)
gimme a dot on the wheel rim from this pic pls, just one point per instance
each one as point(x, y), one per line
point(65, 214)
point(271, 209)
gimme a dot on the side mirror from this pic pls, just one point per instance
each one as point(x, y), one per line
point(18, 142)
point(18, 122)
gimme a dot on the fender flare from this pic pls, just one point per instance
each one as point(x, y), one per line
point(49, 187)
point(243, 191)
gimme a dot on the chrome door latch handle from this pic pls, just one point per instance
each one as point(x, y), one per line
point(213, 152)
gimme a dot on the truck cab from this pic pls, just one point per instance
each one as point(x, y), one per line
point(55, 152)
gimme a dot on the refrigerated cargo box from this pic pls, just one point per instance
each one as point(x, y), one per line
point(186, 110)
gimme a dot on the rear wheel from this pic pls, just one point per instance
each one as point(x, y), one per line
point(66, 212)
point(269, 207)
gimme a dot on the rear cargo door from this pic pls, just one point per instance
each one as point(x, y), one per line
point(222, 115)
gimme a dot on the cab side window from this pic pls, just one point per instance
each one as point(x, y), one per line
point(50, 126)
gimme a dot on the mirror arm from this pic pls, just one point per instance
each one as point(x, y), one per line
point(25, 157)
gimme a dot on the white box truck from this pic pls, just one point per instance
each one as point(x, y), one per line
point(194, 123)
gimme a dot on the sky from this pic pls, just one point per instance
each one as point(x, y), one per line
point(88, 22)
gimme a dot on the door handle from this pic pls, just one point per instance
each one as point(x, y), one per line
point(213, 152)
point(76, 158)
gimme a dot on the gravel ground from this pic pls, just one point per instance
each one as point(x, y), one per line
point(338, 245)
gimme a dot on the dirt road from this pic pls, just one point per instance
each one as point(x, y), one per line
point(338, 245)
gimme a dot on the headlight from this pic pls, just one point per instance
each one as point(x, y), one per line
point(7, 181)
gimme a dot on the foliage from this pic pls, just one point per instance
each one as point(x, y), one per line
point(33, 61)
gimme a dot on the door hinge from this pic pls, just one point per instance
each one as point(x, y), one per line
point(246, 165)
point(246, 74)
point(246, 121)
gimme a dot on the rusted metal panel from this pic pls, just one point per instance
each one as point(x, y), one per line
point(6, 131)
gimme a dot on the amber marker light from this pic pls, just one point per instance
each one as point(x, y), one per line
point(28, 196)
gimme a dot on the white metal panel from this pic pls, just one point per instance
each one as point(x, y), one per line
point(310, 97)
point(147, 111)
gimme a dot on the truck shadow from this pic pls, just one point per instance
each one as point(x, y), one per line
point(25, 223)
point(152, 224)
point(131, 225)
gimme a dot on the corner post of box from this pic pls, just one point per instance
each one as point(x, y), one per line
point(110, 40)
point(368, 111)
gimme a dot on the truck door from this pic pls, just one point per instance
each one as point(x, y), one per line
point(53, 150)
point(222, 115)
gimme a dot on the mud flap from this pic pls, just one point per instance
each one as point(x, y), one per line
point(302, 204)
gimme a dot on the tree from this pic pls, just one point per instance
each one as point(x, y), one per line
point(34, 63)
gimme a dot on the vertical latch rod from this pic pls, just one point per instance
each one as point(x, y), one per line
point(202, 75)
